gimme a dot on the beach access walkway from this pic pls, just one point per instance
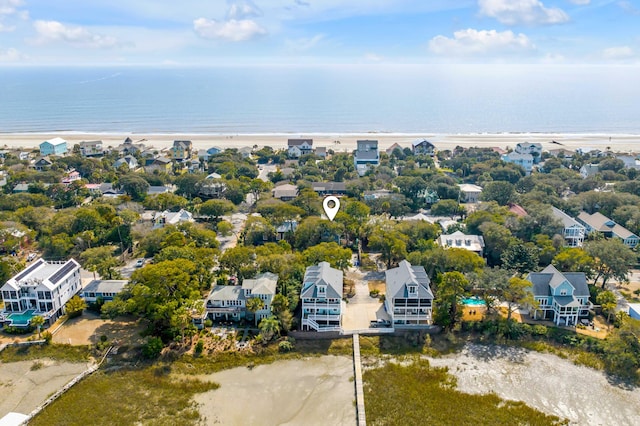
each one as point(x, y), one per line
point(357, 369)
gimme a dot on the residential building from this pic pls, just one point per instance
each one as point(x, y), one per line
point(329, 188)
point(321, 151)
point(128, 147)
point(470, 193)
point(634, 310)
point(518, 210)
point(102, 290)
point(562, 297)
point(423, 146)
point(181, 150)
point(630, 161)
point(589, 170)
point(42, 164)
point(377, 194)
point(535, 149)
point(43, 289)
point(299, 147)
point(285, 192)
point(212, 187)
point(408, 297)
point(161, 189)
point(598, 222)
point(71, 176)
point(523, 160)
point(573, 231)
point(393, 147)
point(55, 146)
point(206, 154)
point(562, 153)
point(229, 302)
point(286, 229)
point(91, 148)
point(321, 298)
point(160, 165)
point(161, 219)
point(458, 239)
point(366, 156)
point(129, 160)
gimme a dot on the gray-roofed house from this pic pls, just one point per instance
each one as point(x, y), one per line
point(166, 217)
point(129, 160)
point(329, 188)
point(366, 156)
point(285, 192)
point(470, 193)
point(286, 229)
point(229, 302)
point(104, 290)
point(562, 297)
point(523, 160)
point(42, 164)
point(423, 146)
point(535, 149)
point(598, 222)
point(589, 170)
point(409, 299)
point(299, 147)
point(321, 298)
point(91, 148)
point(573, 232)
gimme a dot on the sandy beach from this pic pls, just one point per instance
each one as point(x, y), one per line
point(338, 142)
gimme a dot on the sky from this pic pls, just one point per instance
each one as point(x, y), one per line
point(265, 32)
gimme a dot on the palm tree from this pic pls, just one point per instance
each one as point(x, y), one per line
point(254, 305)
point(269, 326)
point(37, 321)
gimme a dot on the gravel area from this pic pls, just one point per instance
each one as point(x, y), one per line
point(545, 382)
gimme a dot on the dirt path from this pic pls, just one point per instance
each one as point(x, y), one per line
point(314, 391)
point(546, 382)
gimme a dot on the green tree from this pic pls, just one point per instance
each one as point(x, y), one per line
point(102, 261)
point(254, 305)
point(450, 290)
point(337, 256)
point(75, 306)
point(498, 191)
point(517, 293)
point(574, 260)
point(391, 244)
point(216, 208)
point(279, 304)
point(134, 185)
point(608, 301)
point(239, 261)
point(522, 257)
point(37, 322)
point(497, 239)
point(490, 284)
point(612, 259)
point(269, 327)
point(152, 348)
point(447, 208)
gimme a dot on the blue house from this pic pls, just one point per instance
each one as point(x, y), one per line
point(562, 297)
point(523, 160)
point(321, 298)
point(55, 146)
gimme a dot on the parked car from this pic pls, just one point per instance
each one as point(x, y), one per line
point(139, 263)
point(380, 323)
point(31, 256)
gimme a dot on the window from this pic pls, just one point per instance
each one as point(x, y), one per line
point(563, 292)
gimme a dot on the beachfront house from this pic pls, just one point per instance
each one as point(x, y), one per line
point(561, 297)
point(470, 193)
point(523, 160)
point(535, 149)
point(321, 298)
point(423, 146)
point(460, 240)
point(102, 290)
point(55, 146)
point(366, 156)
point(573, 231)
point(229, 302)
point(296, 148)
point(598, 222)
point(43, 288)
point(181, 150)
point(91, 148)
point(408, 296)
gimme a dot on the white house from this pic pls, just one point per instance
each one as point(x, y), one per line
point(299, 147)
point(562, 296)
point(573, 232)
point(408, 297)
point(459, 239)
point(43, 289)
point(104, 290)
point(91, 148)
point(229, 302)
point(535, 149)
point(366, 155)
point(470, 193)
point(321, 298)
point(523, 160)
point(166, 217)
point(129, 160)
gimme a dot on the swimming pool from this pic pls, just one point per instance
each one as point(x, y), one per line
point(21, 319)
point(473, 301)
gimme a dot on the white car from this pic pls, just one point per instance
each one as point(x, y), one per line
point(139, 263)
point(31, 257)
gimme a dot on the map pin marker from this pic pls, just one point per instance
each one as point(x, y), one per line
point(330, 210)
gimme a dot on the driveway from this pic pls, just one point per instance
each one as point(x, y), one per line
point(362, 308)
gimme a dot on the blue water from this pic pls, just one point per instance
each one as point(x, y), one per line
point(21, 318)
point(410, 99)
point(472, 301)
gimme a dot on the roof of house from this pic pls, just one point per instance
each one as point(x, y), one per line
point(183, 144)
point(322, 274)
point(468, 187)
point(526, 145)
point(328, 186)
point(288, 226)
point(518, 210)
point(174, 217)
point(90, 143)
point(422, 141)
point(393, 147)
point(550, 277)
point(47, 273)
point(601, 223)
point(264, 283)
point(285, 190)
point(299, 142)
point(226, 292)
point(397, 280)
point(567, 221)
point(55, 141)
point(105, 286)
point(461, 240)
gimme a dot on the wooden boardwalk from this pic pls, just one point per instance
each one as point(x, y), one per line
point(357, 369)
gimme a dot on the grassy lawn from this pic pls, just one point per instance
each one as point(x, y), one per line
point(149, 396)
point(417, 394)
point(53, 351)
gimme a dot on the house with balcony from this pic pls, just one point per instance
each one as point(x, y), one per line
point(296, 148)
point(181, 150)
point(321, 298)
point(408, 296)
point(423, 146)
point(159, 165)
point(459, 239)
point(55, 146)
point(366, 156)
point(562, 297)
point(523, 160)
point(42, 289)
point(130, 161)
point(229, 302)
point(573, 231)
point(598, 222)
point(535, 149)
point(470, 193)
point(91, 148)
point(104, 290)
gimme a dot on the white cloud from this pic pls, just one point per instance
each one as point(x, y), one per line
point(243, 10)
point(231, 30)
point(304, 44)
point(580, 2)
point(472, 42)
point(9, 7)
point(10, 55)
point(52, 31)
point(628, 7)
point(6, 28)
point(372, 57)
point(618, 53)
point(528, 12)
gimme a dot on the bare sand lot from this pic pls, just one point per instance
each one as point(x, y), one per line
point(313, 391)
point(337, 141)
point(545, 382)
point(26, 384)
point(88, 328)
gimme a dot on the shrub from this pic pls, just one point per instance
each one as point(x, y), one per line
point(19, 330)
point(539, 330)
point(208, 323)
point(199, 347)
point(285, 346)
point(153, 348)
point(47, 336)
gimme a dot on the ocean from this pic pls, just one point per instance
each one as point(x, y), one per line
point(323, 99)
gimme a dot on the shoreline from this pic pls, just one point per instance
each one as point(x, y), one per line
point(622, 142)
